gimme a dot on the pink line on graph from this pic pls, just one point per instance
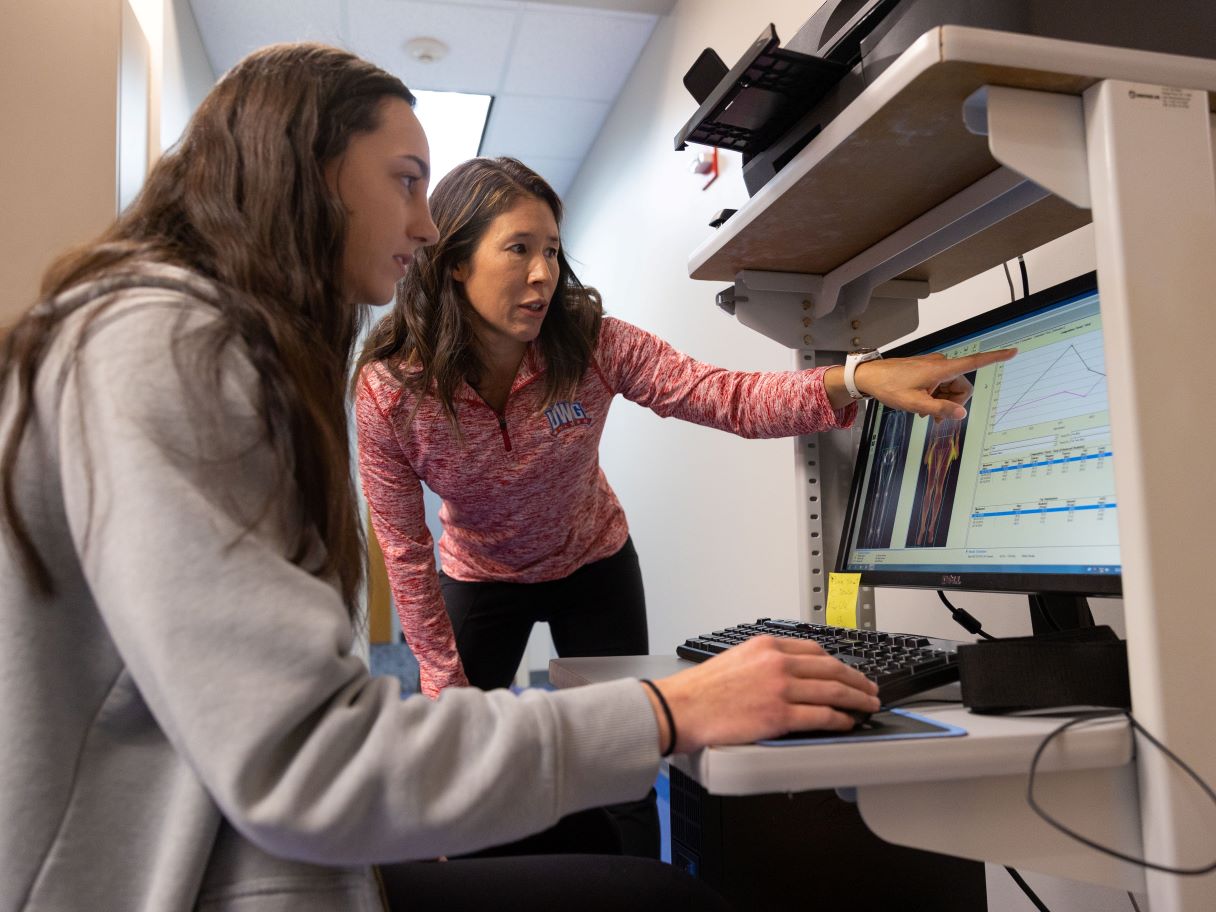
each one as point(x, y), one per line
point(1084, 395)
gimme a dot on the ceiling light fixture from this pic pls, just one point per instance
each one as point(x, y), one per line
point(426, 50)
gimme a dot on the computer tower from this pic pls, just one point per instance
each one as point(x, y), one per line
point(809, 850)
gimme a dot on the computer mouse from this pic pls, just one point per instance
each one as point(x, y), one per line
point(860, 717)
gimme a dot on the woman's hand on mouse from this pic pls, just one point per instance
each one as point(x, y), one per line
point(762, 688)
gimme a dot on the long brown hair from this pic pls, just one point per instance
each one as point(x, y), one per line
point(430, 327)
point(242, 201)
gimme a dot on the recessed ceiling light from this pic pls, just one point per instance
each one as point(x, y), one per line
point(426, 50)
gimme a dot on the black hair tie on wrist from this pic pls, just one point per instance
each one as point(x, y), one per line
point(671, 720)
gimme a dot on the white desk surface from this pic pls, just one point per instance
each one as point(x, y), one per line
point(993, 745)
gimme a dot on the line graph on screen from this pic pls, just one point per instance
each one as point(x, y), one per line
point(1061, 380)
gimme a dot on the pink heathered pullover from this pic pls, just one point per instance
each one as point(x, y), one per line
point(524, 498)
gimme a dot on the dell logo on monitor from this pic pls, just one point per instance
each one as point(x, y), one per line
point(951, 579)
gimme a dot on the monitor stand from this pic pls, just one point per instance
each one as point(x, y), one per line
point(1051, 612)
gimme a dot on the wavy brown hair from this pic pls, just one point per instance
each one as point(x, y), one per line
point(242, 201)
point(430, 326)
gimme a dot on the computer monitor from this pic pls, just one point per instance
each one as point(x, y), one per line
point(1019, 496)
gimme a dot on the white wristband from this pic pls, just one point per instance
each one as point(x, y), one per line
point(850, 368)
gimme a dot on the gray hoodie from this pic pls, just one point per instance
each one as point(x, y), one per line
point(183, 722)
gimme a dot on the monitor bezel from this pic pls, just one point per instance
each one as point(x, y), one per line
point(1110, 585)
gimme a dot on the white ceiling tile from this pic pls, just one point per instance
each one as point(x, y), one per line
point(554, 70)
point(478, 40)
point(230, 29)
point(548, 127)
point(575, 53)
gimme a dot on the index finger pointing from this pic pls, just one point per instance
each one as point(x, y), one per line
point(968, 363)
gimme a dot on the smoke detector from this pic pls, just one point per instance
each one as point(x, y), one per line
point(426, 50)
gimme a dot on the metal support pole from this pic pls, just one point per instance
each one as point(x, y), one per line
point(823, 466)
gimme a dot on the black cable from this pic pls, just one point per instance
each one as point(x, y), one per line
point(1021, 882)
point(1135, 905)
point(1025, 278)
point(1013, 295)
point(963, 619)
point(1106, 850)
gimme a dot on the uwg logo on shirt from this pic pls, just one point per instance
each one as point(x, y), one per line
point(562, 415)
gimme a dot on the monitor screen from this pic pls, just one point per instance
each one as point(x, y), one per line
point(1019, 496)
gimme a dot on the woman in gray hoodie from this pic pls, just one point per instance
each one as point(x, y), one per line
point(184, 720)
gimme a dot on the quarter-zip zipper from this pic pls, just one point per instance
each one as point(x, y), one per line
point(501, 417)
point(502, 426)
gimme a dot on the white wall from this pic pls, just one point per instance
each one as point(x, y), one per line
point(180, 73)
point(186, 74)
point(714, 516)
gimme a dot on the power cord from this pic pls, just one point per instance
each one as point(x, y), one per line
point(1106, 850)
point(1039, 904)
point(1030, 894)
point(1025, 279)
point(965, 620)
point(969, 622)
point(1013, 295)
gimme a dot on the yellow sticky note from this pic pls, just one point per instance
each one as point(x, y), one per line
point(842, 599)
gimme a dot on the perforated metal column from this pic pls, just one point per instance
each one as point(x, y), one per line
point(823, 468)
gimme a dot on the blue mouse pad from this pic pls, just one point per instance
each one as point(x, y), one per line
point(887, 725)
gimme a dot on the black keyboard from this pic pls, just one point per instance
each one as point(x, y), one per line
point(902, 665)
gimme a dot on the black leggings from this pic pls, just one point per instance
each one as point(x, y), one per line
point(598, 610)
point(588, 883)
